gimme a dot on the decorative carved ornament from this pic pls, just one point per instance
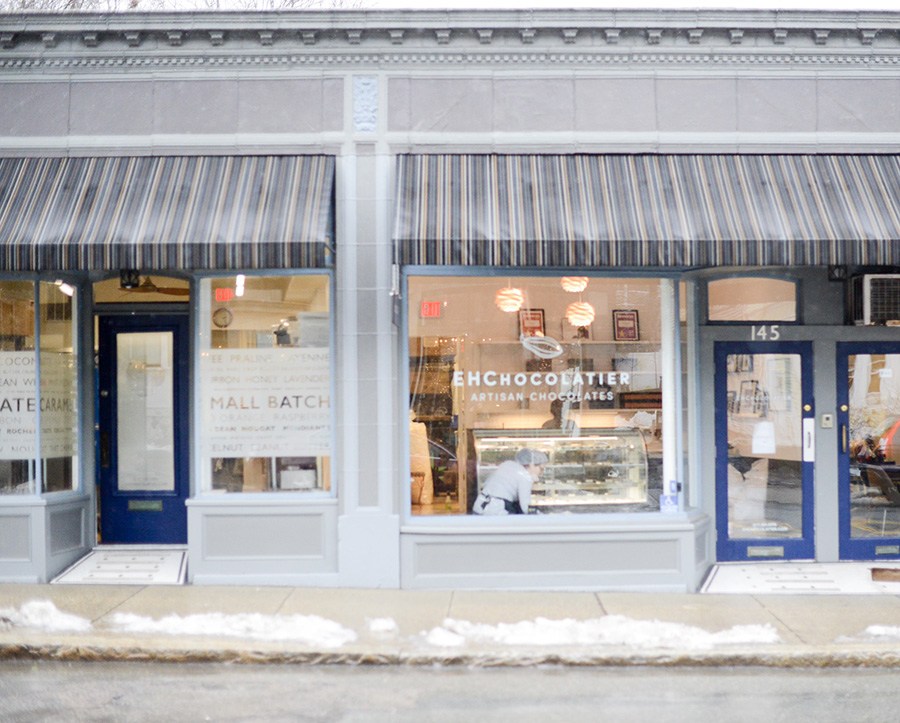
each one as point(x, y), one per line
point(612, 38)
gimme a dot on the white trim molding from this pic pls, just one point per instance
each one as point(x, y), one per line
point(577, 38)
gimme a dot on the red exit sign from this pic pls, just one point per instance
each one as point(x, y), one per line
point(224, 295)
point(430, 310)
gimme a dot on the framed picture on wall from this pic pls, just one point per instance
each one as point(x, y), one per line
point(625, 325)
point(570, 332)
point(781, 380)
point(730, 397)
point(747, 402)
point(531, 322)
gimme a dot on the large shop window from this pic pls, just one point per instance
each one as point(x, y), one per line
point(534, 395)
point(38, 389)
point(265, 383)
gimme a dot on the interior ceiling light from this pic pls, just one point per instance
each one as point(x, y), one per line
point(65, 288)
point(509, 299)
point(574, 284)
point(129, 278)
point(579, 313)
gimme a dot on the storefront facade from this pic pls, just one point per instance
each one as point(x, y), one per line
point(553, 300)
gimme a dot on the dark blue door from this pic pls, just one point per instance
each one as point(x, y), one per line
point(765, 446)
point(868, 392)
point(143, 411)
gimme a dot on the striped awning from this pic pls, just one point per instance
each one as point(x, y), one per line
point(661, 210)
point(174, 212)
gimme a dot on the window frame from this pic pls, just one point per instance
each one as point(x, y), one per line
point(465, 520)
point(201, 314)
point(798, 299)
point(37, 460)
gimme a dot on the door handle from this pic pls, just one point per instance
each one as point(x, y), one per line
point(843, 439)
point(809, 439)
point(104, 450)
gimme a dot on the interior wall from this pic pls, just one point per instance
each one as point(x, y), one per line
point(468, 308)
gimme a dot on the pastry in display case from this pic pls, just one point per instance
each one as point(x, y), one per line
point(597, 467)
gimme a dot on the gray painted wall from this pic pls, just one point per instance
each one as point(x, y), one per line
point(365, 86)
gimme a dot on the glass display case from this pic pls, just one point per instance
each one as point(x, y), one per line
point(596, 467)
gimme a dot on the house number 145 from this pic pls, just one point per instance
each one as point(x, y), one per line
point(766, 332)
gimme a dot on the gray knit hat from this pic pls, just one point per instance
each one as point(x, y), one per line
point(528, 456)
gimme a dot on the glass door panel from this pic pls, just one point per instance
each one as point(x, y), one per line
point(869, 417)
point(145, 433)
point(764, 450)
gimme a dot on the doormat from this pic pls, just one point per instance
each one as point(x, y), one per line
point(128, 566)
point(808, 578)
point(886, 574)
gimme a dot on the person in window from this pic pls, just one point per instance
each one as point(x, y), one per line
point(556, 421)
point(870, 461)
point(867, 451)
point(507, 490)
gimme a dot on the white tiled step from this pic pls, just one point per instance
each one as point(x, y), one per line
point(847, 578)
point(128, 567)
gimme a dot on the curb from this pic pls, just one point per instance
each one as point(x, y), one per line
point(768, 658)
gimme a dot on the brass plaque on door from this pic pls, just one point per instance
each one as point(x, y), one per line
point(887, 549)
point(765, 551)
point(145, 506)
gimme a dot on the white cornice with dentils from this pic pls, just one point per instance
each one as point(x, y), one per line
point(528, 38)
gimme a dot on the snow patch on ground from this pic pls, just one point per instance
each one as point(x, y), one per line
point(309, 629)
point(883, 632)
point(443, 638)
point(315, 631)
point(382, 626)
point(609, 630)
point(42, 615)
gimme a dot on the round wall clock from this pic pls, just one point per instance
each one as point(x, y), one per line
point(222, 317)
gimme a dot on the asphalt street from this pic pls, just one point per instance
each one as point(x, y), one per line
point(32, 691)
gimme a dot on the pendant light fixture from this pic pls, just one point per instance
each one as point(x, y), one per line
point(509, 298)
point(574, 284)
point(579, 313)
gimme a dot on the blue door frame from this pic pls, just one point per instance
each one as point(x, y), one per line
point(794, 548)
point(858, 548)
point(141, 517)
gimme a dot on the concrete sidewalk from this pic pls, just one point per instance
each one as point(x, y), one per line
point(392, 626)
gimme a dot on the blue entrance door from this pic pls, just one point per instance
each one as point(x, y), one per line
point(765, 425)
point(143, 455)
point(869, 450)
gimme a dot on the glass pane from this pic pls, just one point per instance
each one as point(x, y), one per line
point(266, 383)
point(874, 436)
point(18, 379)
point(503, 371)
point(146, 438)
point(752, 299)
point(765, 492)
point(140, 289)
point(59, 388)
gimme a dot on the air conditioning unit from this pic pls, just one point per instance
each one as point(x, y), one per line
point(875, 299)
